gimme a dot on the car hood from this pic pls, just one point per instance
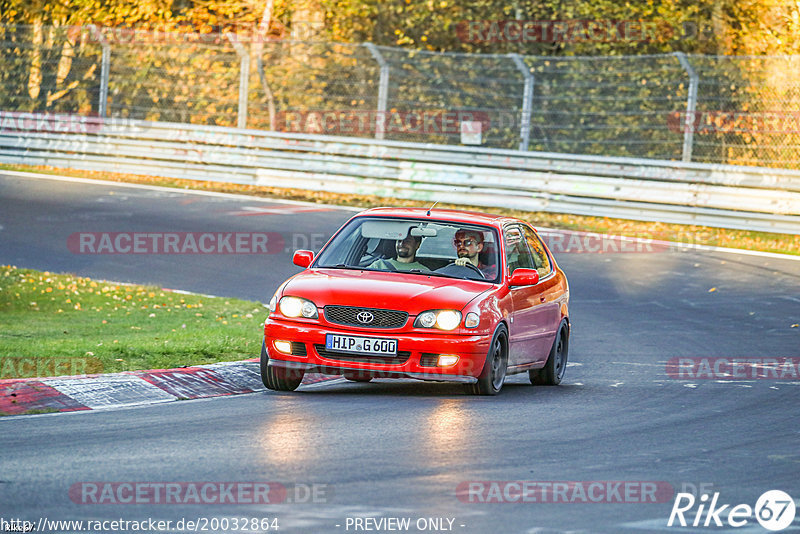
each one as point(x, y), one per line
point(395, 291)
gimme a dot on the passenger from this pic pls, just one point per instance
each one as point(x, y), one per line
point(469, 244)
point(406, 256)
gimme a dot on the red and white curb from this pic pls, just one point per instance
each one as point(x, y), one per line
point(133, 388)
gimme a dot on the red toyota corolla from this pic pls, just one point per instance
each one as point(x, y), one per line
point(436, 294)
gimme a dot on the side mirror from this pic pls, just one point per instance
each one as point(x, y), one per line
point(303, 258)
point(524, 277)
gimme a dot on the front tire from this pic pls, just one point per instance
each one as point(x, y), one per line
point(278, 378)
point(494, 370)
point(553, 371)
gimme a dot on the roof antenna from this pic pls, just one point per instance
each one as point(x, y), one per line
point(429, 209)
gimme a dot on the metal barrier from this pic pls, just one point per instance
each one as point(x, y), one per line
point(707, 109)
point(749, 198)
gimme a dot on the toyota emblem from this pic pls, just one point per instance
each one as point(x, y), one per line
point(365, 317)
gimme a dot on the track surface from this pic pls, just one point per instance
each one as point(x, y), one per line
point(400, 448)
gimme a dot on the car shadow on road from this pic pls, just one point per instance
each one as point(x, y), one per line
point(515, 388)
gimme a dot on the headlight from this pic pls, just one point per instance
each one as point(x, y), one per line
point(273, 303)
point(472, 320)
point(297, 307)
point(441, 319)
point(426, 319)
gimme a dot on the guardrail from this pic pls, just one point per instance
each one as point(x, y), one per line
point(726, 196)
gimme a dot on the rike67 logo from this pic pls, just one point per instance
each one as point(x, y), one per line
point(774, 510)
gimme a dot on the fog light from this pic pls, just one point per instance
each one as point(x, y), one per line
point(447, 360)
point(283, 346)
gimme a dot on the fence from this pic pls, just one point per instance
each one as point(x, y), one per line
point(686, 193)
point(712, 109)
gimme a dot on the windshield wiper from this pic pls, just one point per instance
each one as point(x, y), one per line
point(430, 273)
point(338, 266)
point(412, 271)
point(353, 267)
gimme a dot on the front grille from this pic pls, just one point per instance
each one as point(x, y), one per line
point(347, 315)
point(401, 358)
point(298, 349)
point(428, 359)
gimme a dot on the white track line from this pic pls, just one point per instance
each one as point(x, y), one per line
point(61, 178)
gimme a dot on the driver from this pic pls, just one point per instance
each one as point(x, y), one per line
point(406, 256)
point(469, 244)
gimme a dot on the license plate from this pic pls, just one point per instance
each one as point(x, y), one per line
point(361, 345)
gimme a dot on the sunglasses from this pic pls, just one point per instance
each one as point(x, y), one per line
point(466, 242)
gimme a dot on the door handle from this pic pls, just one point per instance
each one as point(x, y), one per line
point(542, 299)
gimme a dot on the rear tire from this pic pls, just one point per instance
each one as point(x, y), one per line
point(278, 378)
point(553, 371)
point(494, 370)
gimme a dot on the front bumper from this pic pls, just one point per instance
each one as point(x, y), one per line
point(421, 350)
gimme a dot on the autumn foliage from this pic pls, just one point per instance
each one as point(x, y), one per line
point(179, 60)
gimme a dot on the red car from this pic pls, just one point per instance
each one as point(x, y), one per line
point(435, 294)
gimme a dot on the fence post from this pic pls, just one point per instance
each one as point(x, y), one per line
point(244, 84)
point(527, 102)
point(383, 90)
point(244, 79)
point(105, 63)
point(691, 106)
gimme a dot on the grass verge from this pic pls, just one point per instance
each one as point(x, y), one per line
point(62, 324)
point(35, 411)
point(696, 235)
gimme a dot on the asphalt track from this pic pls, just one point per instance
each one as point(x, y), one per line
point(401, 448)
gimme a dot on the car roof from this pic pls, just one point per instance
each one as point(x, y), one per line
point(450, 215)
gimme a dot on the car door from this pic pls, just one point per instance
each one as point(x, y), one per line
point(547, 314)
point(529, 325)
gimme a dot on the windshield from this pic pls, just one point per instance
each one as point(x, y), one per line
point(419, 246)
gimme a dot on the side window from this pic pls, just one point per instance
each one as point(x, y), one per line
point(541, 261)
point(517, 254)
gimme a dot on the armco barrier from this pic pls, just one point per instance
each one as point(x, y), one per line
point(748, 198)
